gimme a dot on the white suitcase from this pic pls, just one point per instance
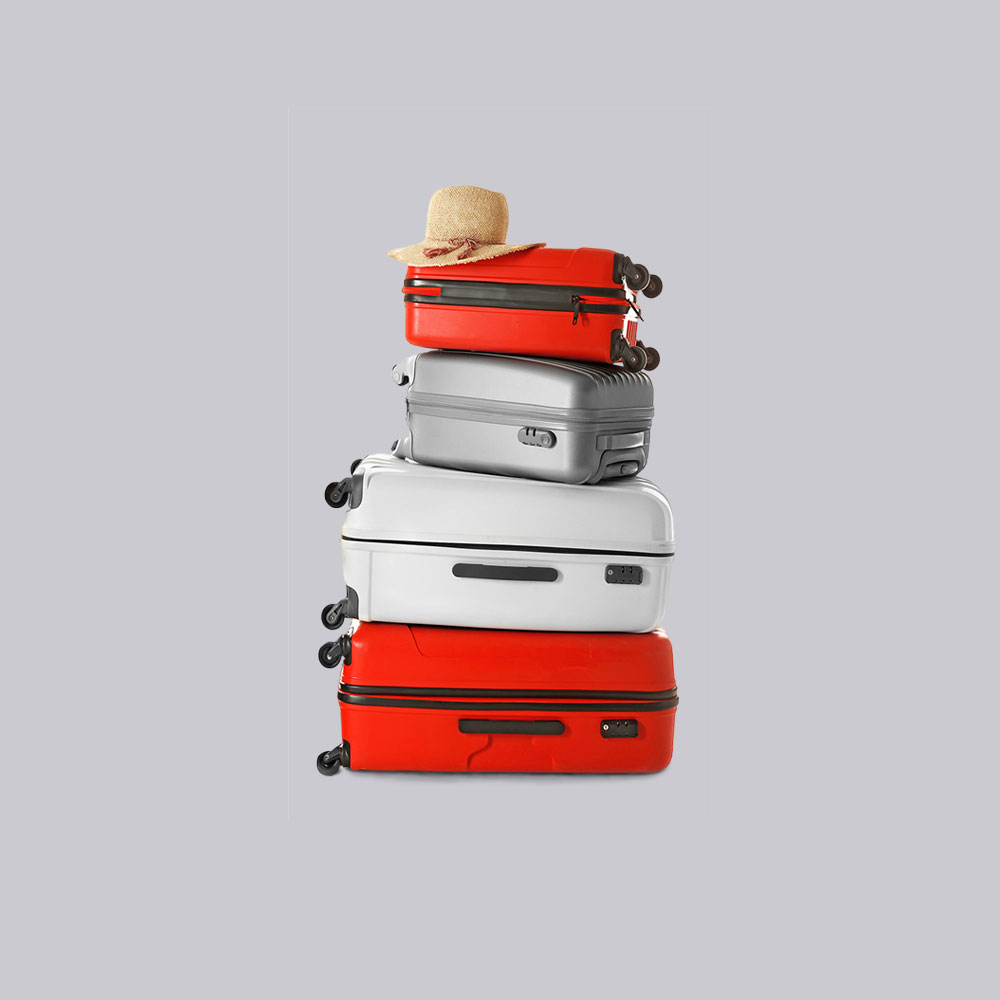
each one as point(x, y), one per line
point(430, 546)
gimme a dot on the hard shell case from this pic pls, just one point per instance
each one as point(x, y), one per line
point(541, 418)
point(545, 302)
point(416, 698)
point(434, 546)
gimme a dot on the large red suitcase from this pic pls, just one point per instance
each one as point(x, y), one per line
point(426, 698)
point(576, 304)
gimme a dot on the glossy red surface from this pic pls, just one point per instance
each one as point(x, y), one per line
point(509, 666)
point(522, 331)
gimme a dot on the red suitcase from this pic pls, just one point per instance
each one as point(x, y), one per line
point(426, 698)
point(576, 304)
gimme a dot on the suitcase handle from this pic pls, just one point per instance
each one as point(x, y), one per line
point(612, 441)
point(481, 571)
point(516, 727)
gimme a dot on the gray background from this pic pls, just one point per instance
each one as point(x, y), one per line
point(198, 325)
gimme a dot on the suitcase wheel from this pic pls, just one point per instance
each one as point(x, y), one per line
point(355, 464)
point(652, 356)
point(654, 287)
point(331, 653)
point(329, 761)
point(334, 614)
point(634, 358)
point(337, 494)
point(636, 275)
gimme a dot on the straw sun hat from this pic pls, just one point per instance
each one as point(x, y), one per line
point(464, 224)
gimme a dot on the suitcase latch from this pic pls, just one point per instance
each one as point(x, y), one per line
point(536, 437)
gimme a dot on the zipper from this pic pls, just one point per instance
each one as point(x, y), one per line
point(505, 295)
point(539, 705)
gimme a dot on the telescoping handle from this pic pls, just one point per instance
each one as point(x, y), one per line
point(482, 571)
point(516, 727)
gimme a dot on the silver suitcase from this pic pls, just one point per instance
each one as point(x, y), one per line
point(537, 418)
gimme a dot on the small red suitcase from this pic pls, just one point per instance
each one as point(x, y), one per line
point(576, 304)
point(426, 698)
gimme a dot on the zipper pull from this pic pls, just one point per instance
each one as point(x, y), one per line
point(576, 308)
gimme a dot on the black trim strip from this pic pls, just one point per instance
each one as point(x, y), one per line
point(507, 706)
point(584, 307)
point(379, 689)
point(508, 295)
point(511, 548)
point(516, 727)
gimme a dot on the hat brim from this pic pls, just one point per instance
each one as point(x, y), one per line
point(414, 255)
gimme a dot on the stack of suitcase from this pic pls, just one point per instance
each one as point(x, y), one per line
point(507, 567)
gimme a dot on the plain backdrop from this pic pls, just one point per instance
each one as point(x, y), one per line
point(198, 325)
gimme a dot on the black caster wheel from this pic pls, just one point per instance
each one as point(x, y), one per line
point(652, 358)
point(637, 277)
point(654, 287)
point(333, 615)
point(355, 464)
point(337, 493)
point(330, 654)
point(634, 358)
point(328, 762)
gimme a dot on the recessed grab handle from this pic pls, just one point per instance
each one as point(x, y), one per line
point(482, 571)
point(611, 441)
point(517, 727)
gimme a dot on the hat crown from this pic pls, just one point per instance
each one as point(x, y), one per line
point(467, 212)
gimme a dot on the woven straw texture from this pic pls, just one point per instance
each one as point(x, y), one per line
point(462, 213)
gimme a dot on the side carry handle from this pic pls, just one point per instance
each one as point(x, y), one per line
point(481, 571)
point(516, 727)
